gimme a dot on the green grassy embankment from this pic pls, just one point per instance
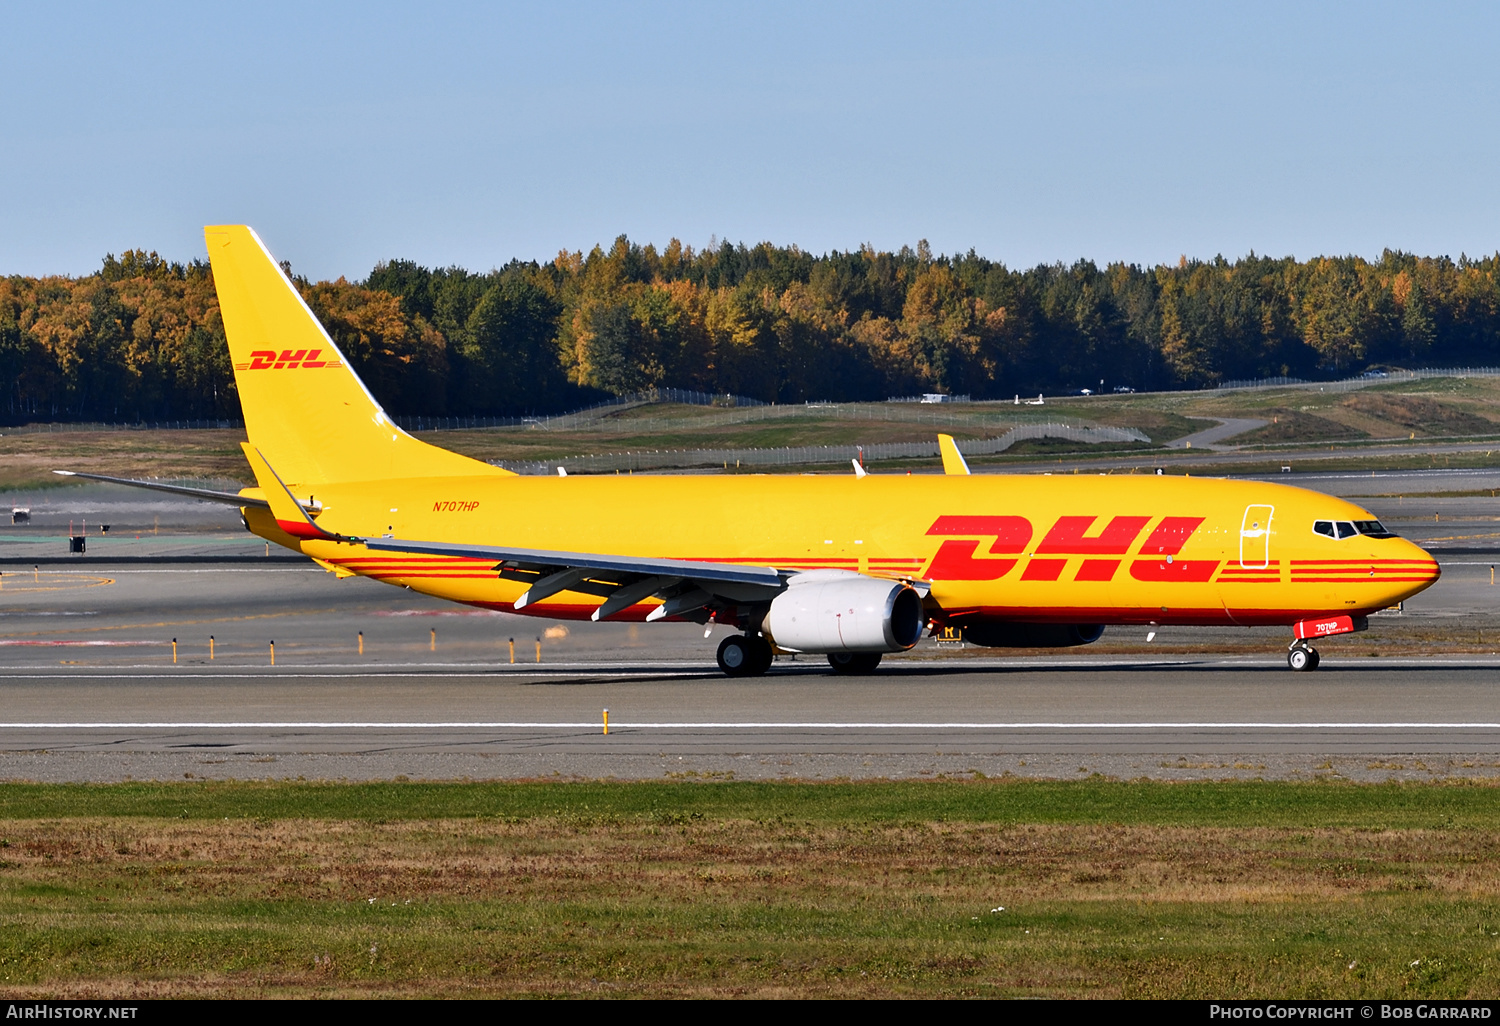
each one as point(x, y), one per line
point(1085, 888)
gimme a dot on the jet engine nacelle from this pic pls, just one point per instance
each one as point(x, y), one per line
point(842, 611)
point(1033, 635)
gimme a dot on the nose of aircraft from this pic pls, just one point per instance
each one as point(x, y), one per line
point(1407, 568)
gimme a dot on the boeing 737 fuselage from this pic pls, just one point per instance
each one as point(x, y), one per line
point(851, 566)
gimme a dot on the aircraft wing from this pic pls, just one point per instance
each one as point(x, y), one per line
point(206, 494)
point(684, 585)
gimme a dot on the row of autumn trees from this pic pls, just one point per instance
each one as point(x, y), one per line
point(142, 339)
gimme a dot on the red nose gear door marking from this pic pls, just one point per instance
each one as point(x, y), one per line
point(1329, 626)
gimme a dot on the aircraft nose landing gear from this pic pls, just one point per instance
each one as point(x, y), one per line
point(1302, 656)
point(741, 655)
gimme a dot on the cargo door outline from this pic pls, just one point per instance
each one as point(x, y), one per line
point(1255, 537)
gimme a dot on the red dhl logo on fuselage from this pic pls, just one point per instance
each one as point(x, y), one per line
point(267, 359)
point(957, 560)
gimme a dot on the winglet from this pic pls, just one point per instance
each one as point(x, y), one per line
point(953, 460)
point(290, 515)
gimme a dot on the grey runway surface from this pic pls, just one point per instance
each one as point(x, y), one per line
point(90, 691)
point(1122, 717)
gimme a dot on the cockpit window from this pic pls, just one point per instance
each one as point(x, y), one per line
point(1348, 529)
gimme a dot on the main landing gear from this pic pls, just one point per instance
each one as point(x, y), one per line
point(859, 663)
point(749, 655)
point(744, 655)
point(1302, 656)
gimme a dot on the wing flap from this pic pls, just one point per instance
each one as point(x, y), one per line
point(633, 566)
point(622, 581)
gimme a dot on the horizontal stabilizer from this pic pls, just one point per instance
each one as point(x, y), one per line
point(206, 494)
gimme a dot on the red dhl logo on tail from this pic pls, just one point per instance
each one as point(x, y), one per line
point(267, 359)
point(957, 559)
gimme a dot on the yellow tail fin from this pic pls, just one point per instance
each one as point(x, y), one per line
point(304, 407)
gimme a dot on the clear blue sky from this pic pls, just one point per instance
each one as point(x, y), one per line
point(470, 134)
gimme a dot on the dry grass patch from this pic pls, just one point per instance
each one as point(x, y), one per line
point(1420, 414)
point(677, 905)
point(1295, 426)
point(27, 460)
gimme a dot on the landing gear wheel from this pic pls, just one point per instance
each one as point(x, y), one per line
point(744, 656)
point(860, 663)
point(1303, 658)
point(761, 654)
point(734, 656)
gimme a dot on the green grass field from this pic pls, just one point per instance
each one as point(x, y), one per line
point(944, 889)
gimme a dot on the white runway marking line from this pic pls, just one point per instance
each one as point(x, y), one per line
point(723, 725)
point(210, 570)
point(83, 644)
point(478, 672)
point(697, 668)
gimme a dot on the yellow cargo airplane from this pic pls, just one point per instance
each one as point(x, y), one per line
point(849, 566)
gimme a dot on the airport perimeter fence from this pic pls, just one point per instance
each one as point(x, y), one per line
point(1365, 380)
point(582, 416)
point(153, 425)
point(735, 410)
point(810, 455)
point(987, 416)
point(739, 409)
